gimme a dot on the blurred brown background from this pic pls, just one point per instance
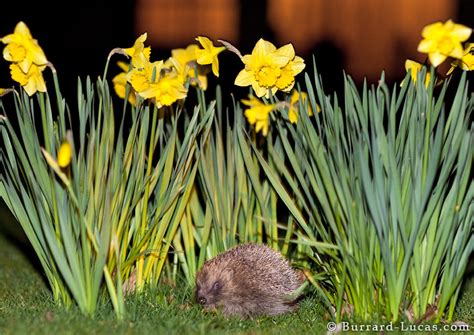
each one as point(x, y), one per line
point(372, 35)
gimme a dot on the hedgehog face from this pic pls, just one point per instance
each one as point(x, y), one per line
point(211, 287)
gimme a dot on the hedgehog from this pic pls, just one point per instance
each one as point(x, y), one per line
point(247, 281)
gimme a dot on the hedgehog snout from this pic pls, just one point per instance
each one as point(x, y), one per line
point(202, 300)
point(208, 295)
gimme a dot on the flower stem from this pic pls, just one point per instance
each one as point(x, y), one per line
point(47, 144)
point(140, 262)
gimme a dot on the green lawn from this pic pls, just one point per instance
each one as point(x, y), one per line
point(26, 305)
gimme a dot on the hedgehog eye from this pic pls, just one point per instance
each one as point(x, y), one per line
point(217, 286)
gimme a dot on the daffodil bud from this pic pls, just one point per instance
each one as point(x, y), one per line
point(64, 154)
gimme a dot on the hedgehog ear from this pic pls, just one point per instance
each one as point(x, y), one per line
point(227, 273)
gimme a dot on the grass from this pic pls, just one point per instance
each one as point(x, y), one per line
point(27, 307)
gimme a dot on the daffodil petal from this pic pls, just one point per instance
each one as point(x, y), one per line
point(436, 58)
point(263, 47)
point(259, 90)
point(431, 28)
point(17, 74)
point(457, 52)
point(22, 29)
point(215, 67)
point(205, 42)
point(203, 57)
point(287, 51)
point(297, 65)
point(124, 66)
point(288, 88)
point(244, 78)
point(425, 46)
point(461, 32)
point(410, 64)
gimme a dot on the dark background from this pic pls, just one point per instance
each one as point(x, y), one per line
point(77, 36)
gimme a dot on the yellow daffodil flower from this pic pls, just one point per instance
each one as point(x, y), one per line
point(414, 68)
point(258, 114)
point(442, 40)
point(166, 90)
point(64, 154)
point(155, 81)
point(183, 60)
point(139, 53)
point(467, 61)
point(22, 49)
point(120, 83)
point(32, 81)
point(142, 78)
point(287, 79)
point(294, 103)
point(208, 55)
point(269, 69)
point(185, 56)
point(185, 63)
